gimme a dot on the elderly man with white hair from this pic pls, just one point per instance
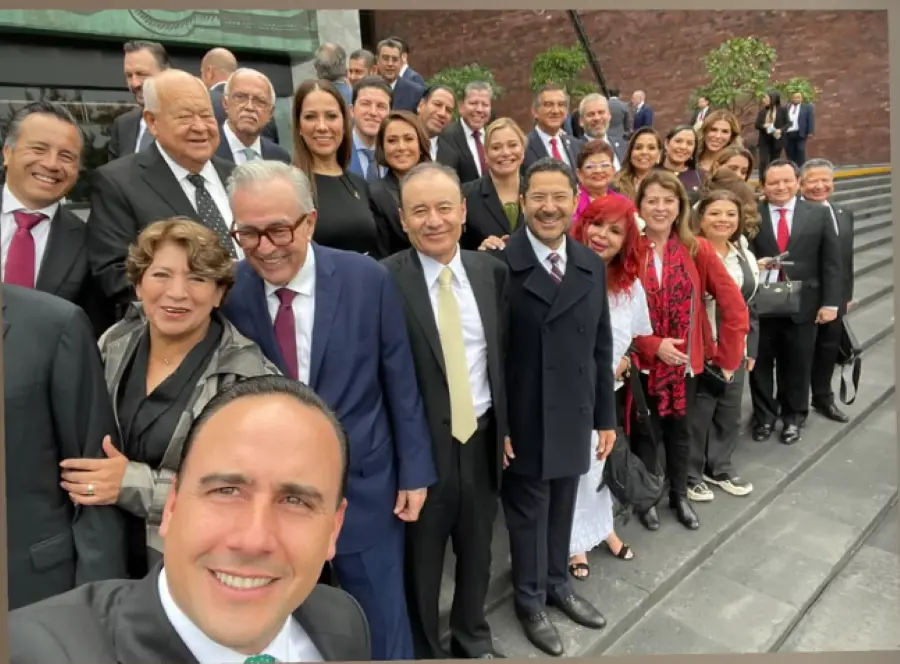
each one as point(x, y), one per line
point(249, 102)
point(178, 175)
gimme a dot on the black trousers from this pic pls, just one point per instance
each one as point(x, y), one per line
point(673, 435)
point(461, 508)
point(715, 426)
point(785, 354)
point(768, 150)
point(539, 516)
point(825, 356)
point(795, 148)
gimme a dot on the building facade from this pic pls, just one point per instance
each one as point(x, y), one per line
point(845, 53)
point(75, 58)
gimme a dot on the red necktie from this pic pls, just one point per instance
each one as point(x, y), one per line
point(285, 331)
point(480, 147)
point(20, 261)
point(555, 150)
point(784, 235)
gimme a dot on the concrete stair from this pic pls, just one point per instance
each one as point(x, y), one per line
point(743, 580)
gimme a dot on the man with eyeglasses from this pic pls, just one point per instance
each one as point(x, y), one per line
point(334, 320)
point(248, 100)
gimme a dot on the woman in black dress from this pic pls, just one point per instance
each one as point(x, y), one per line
point(322, 145)
point(401, 144)
point(770, 124)
point(679, 156)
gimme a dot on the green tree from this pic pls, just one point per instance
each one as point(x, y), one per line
point(739, 73)
point(561, 65)
point(457, 78)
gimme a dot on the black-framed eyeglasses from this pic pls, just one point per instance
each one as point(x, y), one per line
point(279, 234)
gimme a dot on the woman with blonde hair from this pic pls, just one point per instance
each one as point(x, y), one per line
point(720, 129)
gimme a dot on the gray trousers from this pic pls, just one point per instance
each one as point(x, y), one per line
point(715, 425)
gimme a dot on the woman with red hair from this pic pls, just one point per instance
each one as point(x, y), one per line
point(609, 226)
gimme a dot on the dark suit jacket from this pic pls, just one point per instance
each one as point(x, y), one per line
point(123, 622)
point(573, 126)
point(536, 150)
point(128, 196)
point(559, 364)
point(64, 270)
point(412, 75)
point(643, 117)
point(815, 251)
point(490, 284)
point(407, 95)
point(384, 200)
point(781, 121)
point(361, 365)
point(57, 407)
point(806, 121)
point(270, 131)
point(484, 213)
point(620, 120)
point(846, 222)
point(696, 114)
point(269, 149)
point(124, 133)
point(455, 136)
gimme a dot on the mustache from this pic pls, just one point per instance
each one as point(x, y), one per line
point(548, 216)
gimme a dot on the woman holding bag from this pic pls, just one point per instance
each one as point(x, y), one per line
point(609, 226)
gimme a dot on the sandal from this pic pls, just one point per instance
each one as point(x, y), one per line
point(580, 571)
point(624, 552)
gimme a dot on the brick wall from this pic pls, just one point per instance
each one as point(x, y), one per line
point(844, 53)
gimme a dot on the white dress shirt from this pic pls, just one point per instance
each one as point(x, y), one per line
point(560, 144)
point(542, 251)
point(304, 308)
point(433, 143)
point(793, 118)
point(629, 317)
point(470, 316)
point(237, 147)
point(473, 147)
point(213, 185)
point(292, 644)
point(8, 227)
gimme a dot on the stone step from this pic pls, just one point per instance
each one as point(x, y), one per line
point(865, 201)
point(863, 189)
point(872, 223)
point(844, 184)
point(627, 590)
point(749, 595)
point(872, 239)
point(874, 211)
point(872, 259)
point(873, 285)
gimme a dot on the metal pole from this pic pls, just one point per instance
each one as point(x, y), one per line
point(588, 51)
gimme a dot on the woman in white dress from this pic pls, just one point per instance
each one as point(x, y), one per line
point(609, 227)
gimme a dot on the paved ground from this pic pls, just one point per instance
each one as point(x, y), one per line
point(859, 609)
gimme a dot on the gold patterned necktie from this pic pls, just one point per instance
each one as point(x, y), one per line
point(462, 408)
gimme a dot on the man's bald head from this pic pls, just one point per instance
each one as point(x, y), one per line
point(167, 84)
point(216, 66)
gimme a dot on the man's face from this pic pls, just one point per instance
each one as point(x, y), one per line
point(551, 111)
point(797, 98)
point(781, 185)
point(437, 111)
point(475, 109)
point(42, 166)
point(248, 104)
point(596, 117)
point(185, 125)
point(433, 212)
point(356, 70)
point(273, 206)
point(702, 103)
point(389, 63)
point(637, 99)
point(139, 66)
point(253, 518)
point(817, 184)
point(371, 108)
point(548, 206)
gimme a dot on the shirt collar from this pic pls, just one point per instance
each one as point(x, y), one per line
point(546, 137)
point(469, 131)
point(12, 204)
point(789, 206)
point(433, 268)
point(180, 172)
point(203, 647)
point(235, 144)
point(358, 143)
point(542, 251)
point(304, 282)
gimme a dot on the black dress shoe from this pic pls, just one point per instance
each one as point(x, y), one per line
point(684, 512)
point(833, 413)
point(579, 611)
point(790, 434)
point(762, 432)
point(542, 633)
point(650, 519)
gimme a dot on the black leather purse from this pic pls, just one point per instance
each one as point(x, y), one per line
point(849, 358)
point(778, 299)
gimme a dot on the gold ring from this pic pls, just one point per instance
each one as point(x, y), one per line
point(90, 490)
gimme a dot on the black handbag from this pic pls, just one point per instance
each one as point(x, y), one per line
point(712, 380)
point(849, 357)
point(626, 476)
point(778, 299)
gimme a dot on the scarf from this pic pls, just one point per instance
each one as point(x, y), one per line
point(670, 317)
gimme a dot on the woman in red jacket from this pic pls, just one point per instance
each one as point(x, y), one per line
point(677, 269)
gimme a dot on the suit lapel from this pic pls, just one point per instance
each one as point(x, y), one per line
point(493, 204)
point(328, 293)
point(255, 299)
point(536, 145)
point(224, 150)
point(570, 150)
point(415, 290)
point(766, 236)
point(484, 289)
point(159, 177)
point(131, 126)
point(576, 283)
point(60, 254)
point(521, 257)
point(462, 145)
point(799, 223)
